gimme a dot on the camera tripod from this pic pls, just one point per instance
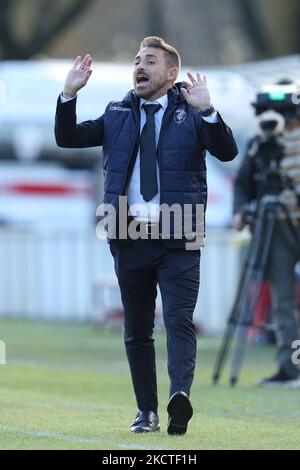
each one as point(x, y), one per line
point(242, 313)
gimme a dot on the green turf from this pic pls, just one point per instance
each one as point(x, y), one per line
point(68, 387)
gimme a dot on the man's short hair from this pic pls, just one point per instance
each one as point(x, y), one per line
point(171, 54)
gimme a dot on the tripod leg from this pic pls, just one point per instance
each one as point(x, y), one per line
point(290, 223)
point(243, 289)
point(246, 318)
point(231, 325)
point(223, 352)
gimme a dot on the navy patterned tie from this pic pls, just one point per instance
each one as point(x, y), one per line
point(148, 182)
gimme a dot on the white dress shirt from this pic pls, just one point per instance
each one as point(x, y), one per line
point(147, 211)
point(139, 208)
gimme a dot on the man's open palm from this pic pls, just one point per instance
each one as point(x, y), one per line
point(196, 92)
point(78, 75)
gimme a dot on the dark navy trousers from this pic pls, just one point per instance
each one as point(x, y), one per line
point(140, 266)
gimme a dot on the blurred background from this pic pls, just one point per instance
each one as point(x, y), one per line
point(52, 265)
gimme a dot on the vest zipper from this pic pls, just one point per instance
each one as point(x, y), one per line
point(136, 114)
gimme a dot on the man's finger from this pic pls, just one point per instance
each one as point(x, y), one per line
point(88, 63)
point(192, 78)
point(200, 80)
point(186, 84)
point(77, 61)
point(85, 61)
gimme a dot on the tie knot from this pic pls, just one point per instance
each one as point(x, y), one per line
point(151, 108)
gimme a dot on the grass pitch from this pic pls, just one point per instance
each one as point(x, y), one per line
point(68, 387)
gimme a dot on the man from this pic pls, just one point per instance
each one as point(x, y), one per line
point(278, 144)
point(154, 144)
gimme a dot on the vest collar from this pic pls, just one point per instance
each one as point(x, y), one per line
point(175, 96)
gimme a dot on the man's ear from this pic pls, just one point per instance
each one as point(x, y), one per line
point(173, 73)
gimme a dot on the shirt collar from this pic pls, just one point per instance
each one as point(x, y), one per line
point(163, 101)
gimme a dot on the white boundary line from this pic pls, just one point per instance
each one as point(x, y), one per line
point(50, 435)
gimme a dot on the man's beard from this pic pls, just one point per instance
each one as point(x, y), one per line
point(150, 90)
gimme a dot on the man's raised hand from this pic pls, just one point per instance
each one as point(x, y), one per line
point(196, 92)
point(78, 75)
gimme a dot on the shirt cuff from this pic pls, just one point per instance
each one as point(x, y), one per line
point(63, 99)
point(212, 118)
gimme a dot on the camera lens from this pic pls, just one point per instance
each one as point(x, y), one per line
point(268, 126)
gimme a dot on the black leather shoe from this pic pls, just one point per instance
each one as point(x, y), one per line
point(145, 421)
point(180, 412)
point(280, 378)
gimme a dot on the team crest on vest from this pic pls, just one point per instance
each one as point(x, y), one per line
point(179, 116)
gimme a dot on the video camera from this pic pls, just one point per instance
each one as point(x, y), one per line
point(277, 105)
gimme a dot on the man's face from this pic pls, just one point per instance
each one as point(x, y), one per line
point(151, 75)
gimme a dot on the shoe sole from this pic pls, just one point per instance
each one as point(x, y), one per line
point(142, 431)
point(180, 412)
point(289, 384)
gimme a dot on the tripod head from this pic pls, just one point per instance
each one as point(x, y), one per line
point(269, 177)
point(267, 151)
